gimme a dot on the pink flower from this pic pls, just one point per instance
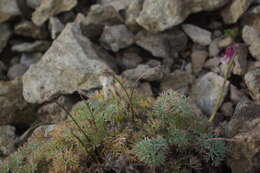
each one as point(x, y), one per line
point(229, 53)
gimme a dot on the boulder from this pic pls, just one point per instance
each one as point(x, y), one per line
point(71, 63)
point(49, 8)
point(205, 91)
point(158, 16)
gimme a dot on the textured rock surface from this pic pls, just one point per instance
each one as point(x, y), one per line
point(116, 37)
point(198, 58)
point(234, 10)
point(49, 8)
point(164, 44)
point(71, 63)
point(4, 36)
point(206, 89)
point(197, 34)
point(28, 29)
point(252, 80)
point(240, 67)
point(14, 109)
point(174, 12)
point(55, 27)
point(37, 46)
point(16, 70)
point(8, 9)
point(7, 139)
point(243, 156)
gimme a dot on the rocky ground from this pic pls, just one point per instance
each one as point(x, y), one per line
point(65, 45)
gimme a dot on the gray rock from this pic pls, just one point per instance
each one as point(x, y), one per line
point(103, 15)
point(33, 3)
point(225, 42)
point(244, 127)
point(73, 62)
point(144, 72)
point(233, 11)
point(28, 29)
point(129, 60)
point(55, 27)
point(37, 46)
point(29, 59)
point(227, 109)
point(177, 80)
point(252, 80)
point(8, 9)
point(16, 70)
point(214, 48)
point(240, 59)
point(50, 8)
point(161, 15)
point(14, 109)
point(117, 4)
point(162, 45)
point(132, 13)
point(116, 37)
point(197, 34)
point(198, 58)
point(4, 36)
point(237, 95)
point(252, 38)
point(153, 63)
point(206, 90)
point(7, 139)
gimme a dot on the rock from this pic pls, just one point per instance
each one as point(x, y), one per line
point(177, 80)
point(55, 27)
point(116, 37)
point(153, 63)
point(174, 12)
point(117, 4)
point(14, 109)
point(52, 113)
point(237, 95)
point(252, 38)
point(132, 13)
point(103, 15)
point(144, 72)
point(34, 3)
point(16, 70)
point(252, 80)
point(235, 10)
point(28, 29)
point(225, 42)
point(206, 90)
point(37, 46)
point(253, 65)
point(240, 59)
point(227, 109)
point(29, 59)
point(214, 48)
point(129, 60)
point(198, 58)
point(7, 139)
point(244, 127)
point(49, 8)
point(8, 9)
point(162, 45)
point(197, 34)
point(6, 33)
point(71, 56)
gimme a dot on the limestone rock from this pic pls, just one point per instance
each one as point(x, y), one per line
point(144, 72)
point(197, 34)
point(49, 8)
point(37, 46)
point(162, 45)
point(55, 27)
point(252, 38)
point(4, 36)
point(14, 109)
point(16, 70)
point(73, 62)
point(158, 16)
point(252, 80)
point(206, 90)
point(234, 10)
point(8, 9)
point(243, 156)
point(7, 139)
point(116, 37)
point(28, 29)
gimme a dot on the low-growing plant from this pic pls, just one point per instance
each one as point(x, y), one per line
point(154, 132)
